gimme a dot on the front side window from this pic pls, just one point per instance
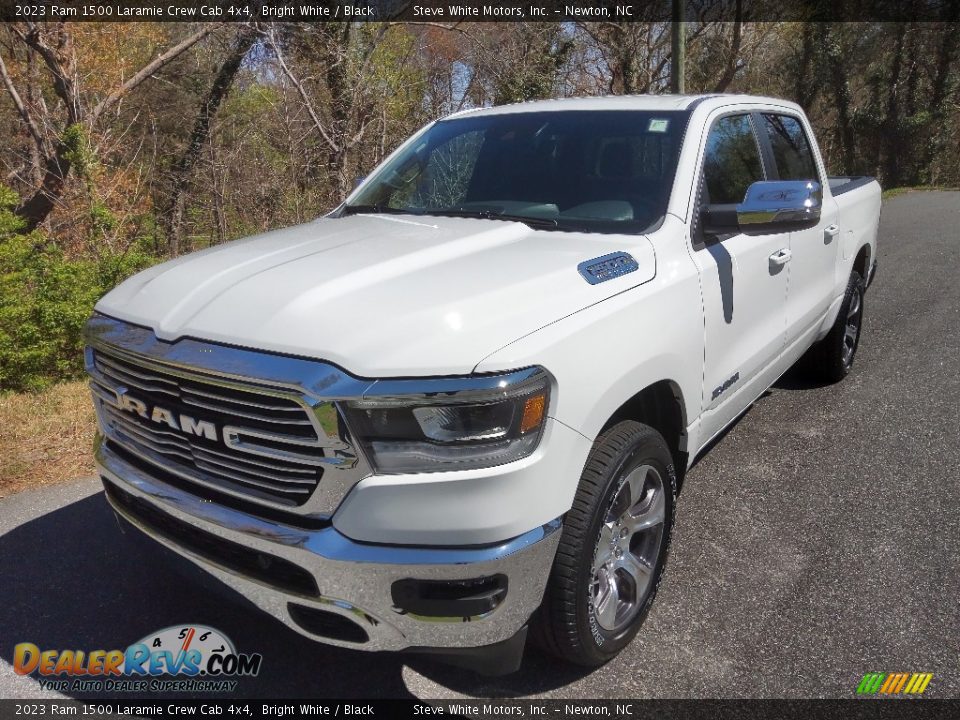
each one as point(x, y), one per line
point(791, 151)
point(588, 170)
point(732, 162)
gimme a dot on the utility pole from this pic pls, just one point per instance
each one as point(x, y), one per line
point(678, 46)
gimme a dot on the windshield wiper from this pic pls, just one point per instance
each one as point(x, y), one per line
point(534, 222)
point(375, 210)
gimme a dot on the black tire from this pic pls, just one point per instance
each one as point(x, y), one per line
point(832, 358)
point(567, 625)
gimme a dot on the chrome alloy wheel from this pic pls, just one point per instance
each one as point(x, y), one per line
point(628, 548)
point(851, 330)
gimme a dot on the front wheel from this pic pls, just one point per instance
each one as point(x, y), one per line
point(613, 549)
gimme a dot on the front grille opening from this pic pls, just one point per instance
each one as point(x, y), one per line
point(282, 469)
point(327, 624)
point(208, 493)
point(265, 568)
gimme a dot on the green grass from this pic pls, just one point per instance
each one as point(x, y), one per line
point(894, 192)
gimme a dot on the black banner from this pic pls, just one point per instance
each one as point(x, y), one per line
point(435, 11)
point(490, 709)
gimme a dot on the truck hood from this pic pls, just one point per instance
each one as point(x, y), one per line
point(379, 295)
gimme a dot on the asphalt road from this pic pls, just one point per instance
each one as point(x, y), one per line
point(817, 541)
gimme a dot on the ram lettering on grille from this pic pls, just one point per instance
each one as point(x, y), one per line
point(249, 440)
point(181, 422)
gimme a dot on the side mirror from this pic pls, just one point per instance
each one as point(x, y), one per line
point(780, 205)
point(768, 207)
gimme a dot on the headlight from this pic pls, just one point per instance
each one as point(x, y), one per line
point(489, 420)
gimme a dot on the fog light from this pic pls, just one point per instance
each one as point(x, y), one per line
point(454, 599)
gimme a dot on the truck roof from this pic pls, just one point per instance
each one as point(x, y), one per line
point(625, 102)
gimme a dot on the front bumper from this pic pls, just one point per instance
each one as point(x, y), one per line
point(291, 572)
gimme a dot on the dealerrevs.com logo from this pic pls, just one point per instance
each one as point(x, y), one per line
point(181, 658)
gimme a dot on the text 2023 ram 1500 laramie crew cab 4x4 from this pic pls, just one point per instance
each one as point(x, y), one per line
point(461, 403)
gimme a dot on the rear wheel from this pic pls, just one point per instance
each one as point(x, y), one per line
point(613, 549)
point(832, 358)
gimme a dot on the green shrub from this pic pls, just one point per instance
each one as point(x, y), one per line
point(45, 298)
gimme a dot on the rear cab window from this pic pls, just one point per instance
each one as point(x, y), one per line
point(792, 152)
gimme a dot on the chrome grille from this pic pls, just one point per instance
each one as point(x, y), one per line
point(267, 444)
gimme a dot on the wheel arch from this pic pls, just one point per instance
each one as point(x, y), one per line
point(862, 261)
point(661, 406)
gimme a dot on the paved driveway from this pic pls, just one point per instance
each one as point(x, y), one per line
point(817, 541)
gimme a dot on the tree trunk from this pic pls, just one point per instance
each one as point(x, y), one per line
point(945, 55)
point(183, 171)
point(730, 71)
point(841, 91)
point(338, 41)
point(34, 99)
point(55, 170)
point(805, 90)
point(891, 122)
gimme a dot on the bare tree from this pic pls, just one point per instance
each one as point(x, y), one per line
point(733, 52)
point(338, 97)
point(182, 174)
point(56, 139)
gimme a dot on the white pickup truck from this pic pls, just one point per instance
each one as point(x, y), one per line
point(462, 404)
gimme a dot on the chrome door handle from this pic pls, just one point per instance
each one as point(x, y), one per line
point(781, 257)
point(829, 233)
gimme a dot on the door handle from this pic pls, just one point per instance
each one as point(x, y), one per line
point(829, 233)
point(781, 257)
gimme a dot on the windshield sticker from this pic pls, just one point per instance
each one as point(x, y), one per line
point(658, 125)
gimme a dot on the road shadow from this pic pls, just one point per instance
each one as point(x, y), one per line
point(800, 377)
point(708, 448)
point(73, 579)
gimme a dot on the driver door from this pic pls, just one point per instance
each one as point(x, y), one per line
point(743, 280)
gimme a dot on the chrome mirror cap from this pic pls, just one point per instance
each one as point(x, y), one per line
point(780, 202)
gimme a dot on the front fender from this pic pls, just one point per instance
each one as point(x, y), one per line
point(606, 353)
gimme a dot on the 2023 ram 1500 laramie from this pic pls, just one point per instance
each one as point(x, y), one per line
point(461, 404)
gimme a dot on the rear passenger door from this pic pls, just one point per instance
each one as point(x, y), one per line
point(810, 282)
point(744, 289)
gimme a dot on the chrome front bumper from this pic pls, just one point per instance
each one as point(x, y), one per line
point(353, 580)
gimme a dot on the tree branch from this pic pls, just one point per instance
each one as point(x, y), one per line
point(60, 61)
point(730, 71)
point(303, 95)
point(149, 69)
point(21, 108)
point(426, 23)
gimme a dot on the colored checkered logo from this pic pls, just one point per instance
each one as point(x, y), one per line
point(894, 683)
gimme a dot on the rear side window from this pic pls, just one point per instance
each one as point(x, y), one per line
point(732, 160)
point(791, 151)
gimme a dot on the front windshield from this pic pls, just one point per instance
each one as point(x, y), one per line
point(596, 170)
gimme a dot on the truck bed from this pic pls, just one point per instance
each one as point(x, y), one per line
point(840, 184)
point(858, 201)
